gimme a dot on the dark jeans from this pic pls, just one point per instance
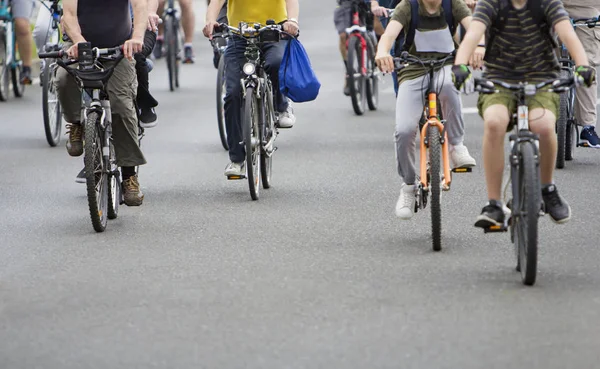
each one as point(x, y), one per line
point(234, 61)
point(144, 99)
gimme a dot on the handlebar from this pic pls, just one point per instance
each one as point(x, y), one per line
point(97, 53)
point(405, 59)
point(487, 86)
point(251, 31)
point(587, 22)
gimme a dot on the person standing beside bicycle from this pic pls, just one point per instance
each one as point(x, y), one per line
point(432, 40)
point(107, 23)
point(585, 98)
point(282, 12)
point(520, 49)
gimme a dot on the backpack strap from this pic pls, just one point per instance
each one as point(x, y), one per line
point(447, 6)
point(414, 22)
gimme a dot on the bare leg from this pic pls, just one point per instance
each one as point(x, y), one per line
point(542, 122)
point(187, 19)
point(496, 119)
point(24, 40)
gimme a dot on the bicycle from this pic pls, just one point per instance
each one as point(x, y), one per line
point(258, 114)
point(50, 105)
point(363, 77)
point(219, 44)
point(10, 62)
point(435, 173)
point(173, 43)
point(101, 171)
point(526, 204)
point(567, 129)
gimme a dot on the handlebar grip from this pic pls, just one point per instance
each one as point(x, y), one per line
point(52, 55)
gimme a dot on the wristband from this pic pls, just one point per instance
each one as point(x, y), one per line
point(480, 45)
point(293, 20)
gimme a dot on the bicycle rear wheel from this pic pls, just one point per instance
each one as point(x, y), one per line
point(95, 173)
point(18, 87)
point(221, 91)
point(561, 125)
point(372, 78)
point(50, 105)
point(433, 136)
point(526, 208)
point(4, 68)
point(356, 78)
point(571, 140)
point(252, 142)
point(171, 42)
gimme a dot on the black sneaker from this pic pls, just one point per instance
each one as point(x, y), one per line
point(80, 177)
point(188, 55)
point(558, 209)
point(148, 118)
point(589, 137)
point(491, 215)
point(25, 77)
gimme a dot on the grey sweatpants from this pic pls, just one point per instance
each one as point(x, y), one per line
point(409, 109)
point(585, 98)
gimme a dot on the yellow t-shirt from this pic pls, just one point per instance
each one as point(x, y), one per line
point(255, 11)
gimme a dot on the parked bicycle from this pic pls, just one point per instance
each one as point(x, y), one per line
point(526, 204)
point(258, 113)
point(50, 105)
point(567, 129)
point(362, 72)
point(219, 44)
point(10, 61)
point(173, 42)
point(435, 174)
point(101, 171)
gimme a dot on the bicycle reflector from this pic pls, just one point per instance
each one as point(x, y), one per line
point(249, 69)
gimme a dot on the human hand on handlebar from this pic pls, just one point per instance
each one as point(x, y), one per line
point(476, 61)
point(132, 46)
point(587, 74)
point(153, 22)
point(73, 51)
point(463, 79)
point(385, 62)
point(379, 11)
point(291, 27)
point(209, 29)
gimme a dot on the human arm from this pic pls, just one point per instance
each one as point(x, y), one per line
point(140, 21)
point(293, 11)
point(476, 60)
point(212, 13)
point(567, 34)
point(475, 33)
point(378, 10)
point(384, 60)
point(71, 26)
point(153, 18)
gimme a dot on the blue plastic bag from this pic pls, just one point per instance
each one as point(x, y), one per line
point(297, 80)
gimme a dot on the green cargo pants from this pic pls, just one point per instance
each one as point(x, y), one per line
point(121, 87)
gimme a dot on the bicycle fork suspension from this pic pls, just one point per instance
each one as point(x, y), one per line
point(443, 136)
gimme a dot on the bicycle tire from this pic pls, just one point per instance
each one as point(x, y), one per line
point(571, 140)
point(18, 87)
point(266, 132)
point(525, 216)
point(52, 118)
point(250, 131)
point(356, 80)
point(171, 46)
point(221, 90)
point(435, 157)
point(95, 175)
point(561, 125)
point(114, 188)
point(4, 71)
point(178, 48)
point(372, 79)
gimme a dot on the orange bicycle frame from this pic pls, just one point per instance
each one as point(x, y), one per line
point(433, 120)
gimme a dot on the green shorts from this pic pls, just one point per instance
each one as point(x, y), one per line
point(545, 100)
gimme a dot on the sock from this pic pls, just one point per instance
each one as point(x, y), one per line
point(127, 172)
point(161, 38)
point(187, 44)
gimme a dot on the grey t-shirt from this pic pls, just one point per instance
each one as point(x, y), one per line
point(104, 23)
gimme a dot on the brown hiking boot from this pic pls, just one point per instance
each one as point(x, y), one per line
point(75, 142)
point(132, 194)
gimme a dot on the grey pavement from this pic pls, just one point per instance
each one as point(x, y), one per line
point(317, 274)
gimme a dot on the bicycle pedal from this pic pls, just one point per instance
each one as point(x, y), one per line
point(462, 170)
point(235, 178)
point(496, 229)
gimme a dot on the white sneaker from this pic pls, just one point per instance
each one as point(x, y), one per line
point(287, 118)
point(235, 169)
point(461, 158)
point(405, 207)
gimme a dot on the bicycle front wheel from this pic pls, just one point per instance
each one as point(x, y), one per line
point(526, 211)
point(372, 77)
point(267, 135)
point(18, 87)
point(252, 142)
point(171, 42)
point(221, 91)
point(561, 125)
point(95, 173)
point(356, 78)
point(571, 140)
point(433, 136)
point(50, 105)
point(4, 68)
point(114, 186)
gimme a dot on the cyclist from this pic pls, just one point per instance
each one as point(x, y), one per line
point(523, 52)
point(21, 11)
point(585, 98)
point(107, 24)
point(188, 19)
point(282, 11)
point(432, 34)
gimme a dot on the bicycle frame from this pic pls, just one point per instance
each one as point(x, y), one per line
point(356, 30)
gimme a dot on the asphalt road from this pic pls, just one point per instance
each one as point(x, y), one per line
point(317, 274)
